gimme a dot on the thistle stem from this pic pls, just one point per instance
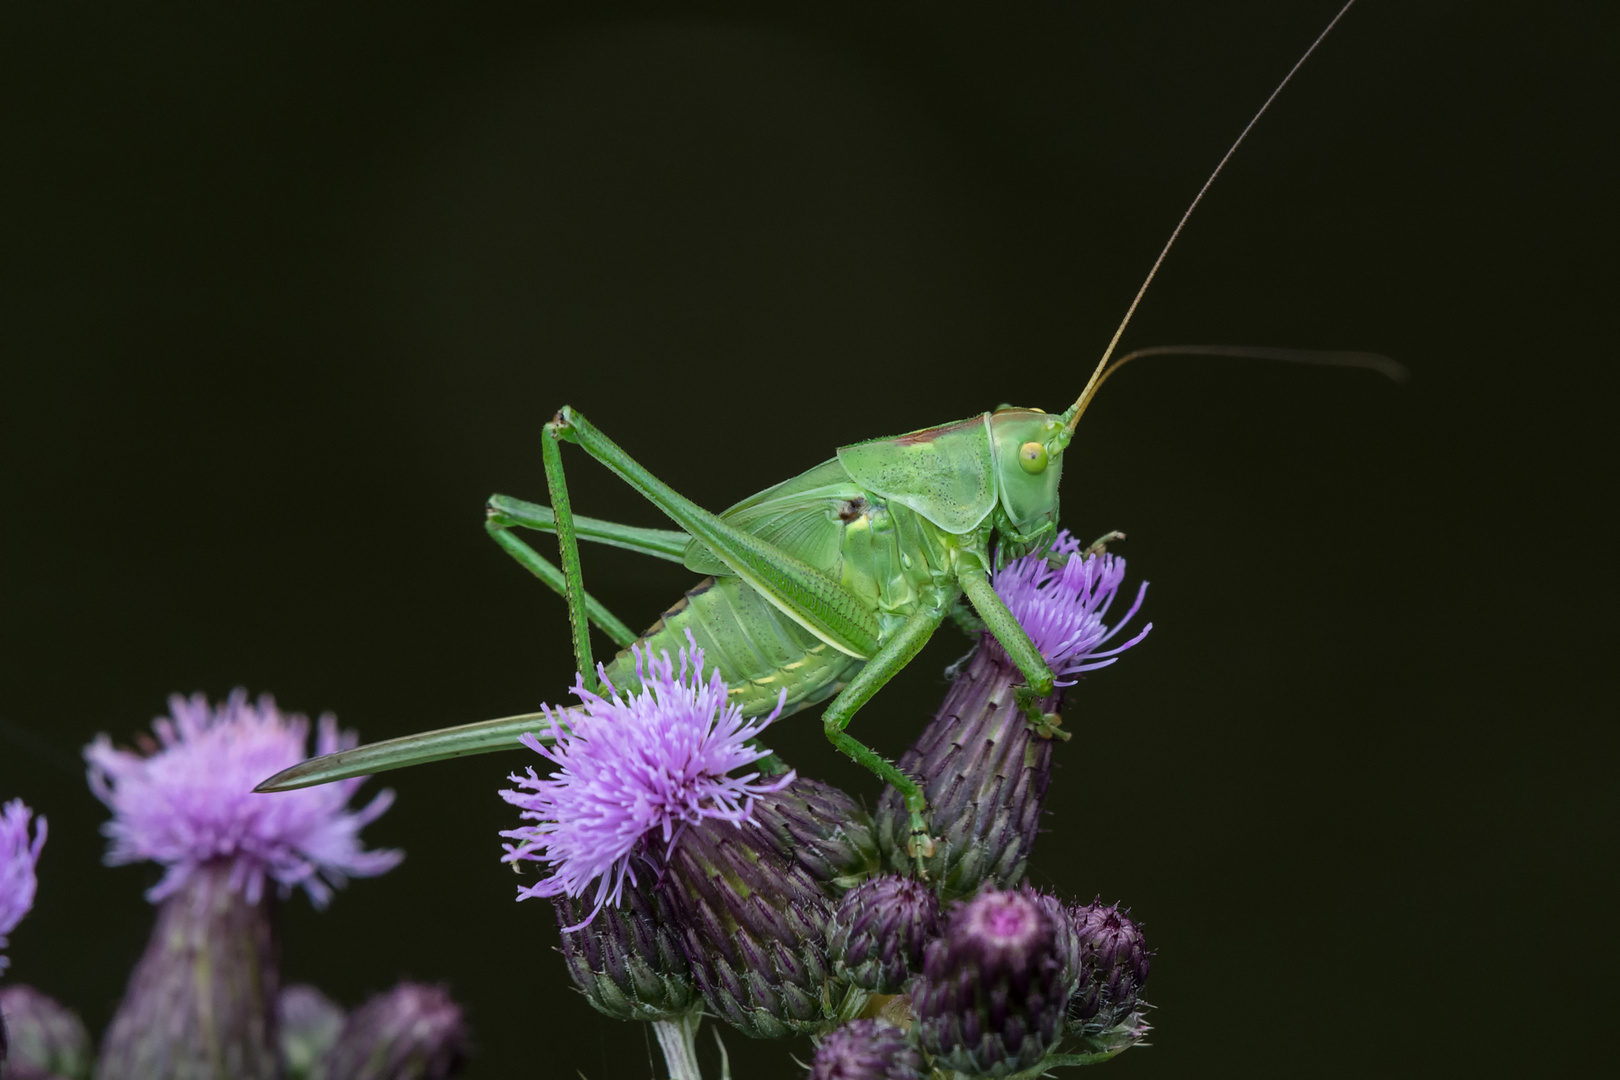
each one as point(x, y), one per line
point(678, 1040)
point(202, 1000)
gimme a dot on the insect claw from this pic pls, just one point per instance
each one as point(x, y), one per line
point(1050, 726)
point(920, 847)
point(1100, 545)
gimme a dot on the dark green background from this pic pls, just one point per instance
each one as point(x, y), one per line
point(290, 288)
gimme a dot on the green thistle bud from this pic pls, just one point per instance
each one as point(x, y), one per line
point(628, 959)
point(47, 1040)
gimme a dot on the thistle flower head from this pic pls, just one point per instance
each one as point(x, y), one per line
point(992, 995)
point(190, 802)
point(866, 1050)
point(1114, 966)
point(1062, 607)
point(412, 1032)
point(43, 1039)
point(631, 767)
point(880, 928)
point(18, 854)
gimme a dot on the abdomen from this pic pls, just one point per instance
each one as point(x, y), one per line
point(759, 650)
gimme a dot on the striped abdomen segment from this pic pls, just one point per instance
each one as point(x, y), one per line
point(759, 650)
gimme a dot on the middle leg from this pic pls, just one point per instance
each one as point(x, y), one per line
point(895, 653)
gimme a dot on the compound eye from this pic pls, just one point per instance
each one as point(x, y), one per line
point(1032, 456)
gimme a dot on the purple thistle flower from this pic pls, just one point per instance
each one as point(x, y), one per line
point(201, 1001)
point(18, 854)
point(1062, 608)
point(190, 803)
point(628, 767)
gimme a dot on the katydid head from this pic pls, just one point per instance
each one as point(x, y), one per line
point(1028, 449)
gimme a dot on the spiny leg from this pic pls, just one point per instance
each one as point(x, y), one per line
point(504, 513)
point(532, 561)
point(902, 645)
point(568, 544)
point(667, 544)
point(1038, 678)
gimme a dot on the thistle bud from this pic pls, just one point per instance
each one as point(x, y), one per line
point(201, 1001)
point(753, 924)
point(628, 960)
point(1113, 968)
point(412, 1032)
point(309, 1025)
point(879, 930)
point(993, 992)
point(866, 1050)
point(47, 1040)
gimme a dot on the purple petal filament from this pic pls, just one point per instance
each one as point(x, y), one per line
point(1062, 608)
point(18, 855)
point(629, 767)
point(191, 802)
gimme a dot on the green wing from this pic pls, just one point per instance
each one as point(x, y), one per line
point(800, 516)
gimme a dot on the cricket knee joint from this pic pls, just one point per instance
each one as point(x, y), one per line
point(834, 725)
point(561, 425)
point(1039, 685)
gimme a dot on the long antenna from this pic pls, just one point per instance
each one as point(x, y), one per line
point(1389, 369)
point(1095, 381)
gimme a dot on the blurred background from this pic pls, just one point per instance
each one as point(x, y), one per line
point(290, 289)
